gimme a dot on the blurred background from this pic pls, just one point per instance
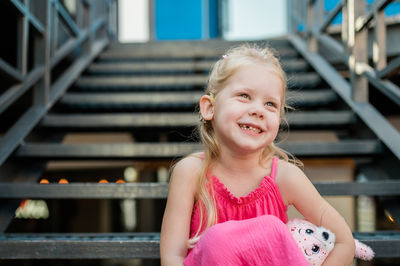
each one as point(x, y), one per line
point(98, 99)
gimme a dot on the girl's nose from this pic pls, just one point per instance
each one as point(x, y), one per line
point(257, 110)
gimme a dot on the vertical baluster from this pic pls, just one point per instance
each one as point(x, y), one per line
point(311, 21)
point(90, 11)
point(289, 17)
point(113, 20)
point(357, 45)
point(379, 43)
point(321, 13)
point(54, 29)
point(102, 12)
point(42, 53)
point(83, 21)
point(345, 26)
point(366, 210)
point(303, 14)
point(294, 13)
point(23, 37)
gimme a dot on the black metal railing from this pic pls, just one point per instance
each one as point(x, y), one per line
point(48, 33)
point(308, 20)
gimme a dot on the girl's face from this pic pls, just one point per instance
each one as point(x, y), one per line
point(245, 114)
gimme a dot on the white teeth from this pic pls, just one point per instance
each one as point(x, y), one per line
point(250, 128)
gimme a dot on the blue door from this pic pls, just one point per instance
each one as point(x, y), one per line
point(186, 19)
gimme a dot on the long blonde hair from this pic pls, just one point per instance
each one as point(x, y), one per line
point(220, 73)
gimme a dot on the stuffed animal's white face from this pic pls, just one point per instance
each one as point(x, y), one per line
point(315, 242)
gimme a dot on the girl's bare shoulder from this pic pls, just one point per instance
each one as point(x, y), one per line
point(287, 171)
point(191, 163)
point(187, 170)
point(290, 179)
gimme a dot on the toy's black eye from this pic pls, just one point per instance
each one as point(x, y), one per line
point(315, 249)
point(325, 235)
point(309, 231)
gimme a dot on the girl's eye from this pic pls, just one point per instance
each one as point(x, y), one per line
point(244, 95)
point(271, 104)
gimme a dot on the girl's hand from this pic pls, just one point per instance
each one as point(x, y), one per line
point(191, 243)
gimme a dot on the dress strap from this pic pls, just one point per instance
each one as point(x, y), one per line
point(274, 166)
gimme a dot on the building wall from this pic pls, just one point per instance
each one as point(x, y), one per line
point(255, 19)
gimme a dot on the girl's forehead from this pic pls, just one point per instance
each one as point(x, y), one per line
point(255, 70)
point(255, 75)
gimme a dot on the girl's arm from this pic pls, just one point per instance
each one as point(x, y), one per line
point(297, 190)
point(176, 222)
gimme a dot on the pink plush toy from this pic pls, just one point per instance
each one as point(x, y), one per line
point(316, 242)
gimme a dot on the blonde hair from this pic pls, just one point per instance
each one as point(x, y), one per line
point(223, 69)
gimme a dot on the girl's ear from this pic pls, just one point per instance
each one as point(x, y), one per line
point(206, 107)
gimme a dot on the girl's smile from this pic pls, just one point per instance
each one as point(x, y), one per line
point(251, 128)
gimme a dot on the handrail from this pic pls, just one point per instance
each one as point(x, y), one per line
point(90, 29)
point(332, 14)
point(363, 21)
point(353, 52)
point(10, 71)
point(70, 23)
point(32, 19)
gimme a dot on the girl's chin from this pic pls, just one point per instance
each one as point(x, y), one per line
point(251, 148)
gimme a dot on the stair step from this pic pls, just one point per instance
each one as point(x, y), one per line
point(176, 52)
point(174, 150)
point(193, 45)
point(140, 120)
point(160, 190)
point(311, 98)
point(162, 67)
point(320, 118)
point(173, 99)
point(164, 81)
point(132, 68)
point(131, 120)
point(107, 151)
point(304, 80)
point(132, 99)
point(79, 246)
point(134, 245)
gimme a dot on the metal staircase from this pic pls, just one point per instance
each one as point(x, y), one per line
point(146, 94)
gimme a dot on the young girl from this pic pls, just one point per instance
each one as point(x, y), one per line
point(227, 205)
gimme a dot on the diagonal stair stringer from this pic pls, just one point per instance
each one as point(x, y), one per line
point(368, 113)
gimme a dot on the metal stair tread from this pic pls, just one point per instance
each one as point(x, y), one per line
point(133, 245)
point(121, 68)
point(309, 79)
point(191, 45)
point(177, 52)
point(151, 80)
point(90, 190)
point(97, 99)
point(132, 98)
point(129, 120)
point(173, 150)
point(79, 245)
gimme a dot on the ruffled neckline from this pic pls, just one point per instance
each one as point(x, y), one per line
point(253, 195)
